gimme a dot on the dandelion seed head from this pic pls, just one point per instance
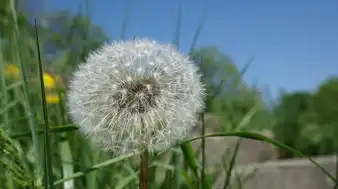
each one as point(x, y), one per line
point(132, 95)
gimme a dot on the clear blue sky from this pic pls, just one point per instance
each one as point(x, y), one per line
point(294, 42)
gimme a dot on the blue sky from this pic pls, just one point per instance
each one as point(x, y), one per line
point(294, 42)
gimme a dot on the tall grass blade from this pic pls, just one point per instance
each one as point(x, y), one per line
point(174, 178)
point(96, 167)
point(199, 29)
point(67, 169)
point(48, 182)
point(203, 152)
point(8, 106)
point(177, 34)
point(127, 180)
point(26, 103)
point(190, 158)
point(187, 179)
point(125, 21)
point(65, 149)
point(239, 78)
point(232, 165)
point(189, 154)
point(4, 97)
point(336, 184)
point(259, 137)
point(55, 129)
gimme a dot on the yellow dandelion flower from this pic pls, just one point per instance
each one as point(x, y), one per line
point(12, 71)
point(52, 99)
point(49, 80)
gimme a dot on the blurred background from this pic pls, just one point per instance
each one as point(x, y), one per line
point(269, 67)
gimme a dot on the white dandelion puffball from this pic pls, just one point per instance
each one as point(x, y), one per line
point(134, 95)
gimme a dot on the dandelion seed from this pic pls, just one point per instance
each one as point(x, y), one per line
point(134, 95)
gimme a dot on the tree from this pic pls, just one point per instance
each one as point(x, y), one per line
point(307, 121)
point(217, 69)
point(229, 97)
point(69, 32)
point(293, 113)
point(326, 101)
point(326, 107)
point(68, 38)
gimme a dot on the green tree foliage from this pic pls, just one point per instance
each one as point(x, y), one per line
point(293, 113)
point(66, 31)
point(326, 107)
point(8, 15)
point(308, 121)
point(68, 38)
point(229, 96)
point(217, 69)
point(326, 101)
point(5, 13)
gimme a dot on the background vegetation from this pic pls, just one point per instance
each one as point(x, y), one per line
point(303, 120)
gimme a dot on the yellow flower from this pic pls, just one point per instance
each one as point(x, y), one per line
point(49, 80)
point(52, 99)
point(12, 71)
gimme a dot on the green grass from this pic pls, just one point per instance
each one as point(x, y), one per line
point(48, 175)
point(67, 158)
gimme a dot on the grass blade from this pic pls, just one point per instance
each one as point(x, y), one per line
point(67, 169)
point(259, 137)
point(203, 152)
point(7, 107)
point(48, 182)
point(189, 157)
point(125, 20)
point(123, 183)
point(55, 129)
point(26, 103)
point(198, 30)
point(95, 167)
point(177, 35)
point(65, 149)
point(174, 180)
point(187, 179)
point(3, 87)
point(232, 165)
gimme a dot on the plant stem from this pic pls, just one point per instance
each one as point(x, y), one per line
point(144, 170)
point(144, 165)
point(203, 152)
point(336, 183)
